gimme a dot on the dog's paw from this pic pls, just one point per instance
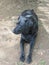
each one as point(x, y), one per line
point(22, 58)
point(29, 59)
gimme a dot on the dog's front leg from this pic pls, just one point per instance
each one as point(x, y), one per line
point(32, 43)
point(22, 57)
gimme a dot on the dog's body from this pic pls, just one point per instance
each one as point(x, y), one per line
point(28, 27)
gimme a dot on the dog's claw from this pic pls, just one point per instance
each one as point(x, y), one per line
point(29, 59)
point(22, 58)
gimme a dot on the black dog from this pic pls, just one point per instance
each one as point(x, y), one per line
point(28, 27)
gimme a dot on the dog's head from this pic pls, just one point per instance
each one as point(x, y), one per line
point(25, 21)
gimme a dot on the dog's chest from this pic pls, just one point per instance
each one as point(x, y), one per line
point(27, 37)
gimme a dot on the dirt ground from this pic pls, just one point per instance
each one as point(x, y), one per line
point(10, 43)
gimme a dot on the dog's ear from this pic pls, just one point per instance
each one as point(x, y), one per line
point(32, 10)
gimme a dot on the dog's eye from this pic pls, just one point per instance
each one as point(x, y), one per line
point(25, 20)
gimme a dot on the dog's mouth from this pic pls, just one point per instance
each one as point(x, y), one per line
point(17, 30)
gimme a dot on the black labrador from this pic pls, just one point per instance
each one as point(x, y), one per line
point(28, 27)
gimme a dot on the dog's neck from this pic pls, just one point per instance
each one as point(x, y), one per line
point(28, 32)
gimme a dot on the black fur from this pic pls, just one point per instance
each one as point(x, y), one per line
point(27, 26)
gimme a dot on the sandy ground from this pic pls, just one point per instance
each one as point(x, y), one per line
point(10, 43)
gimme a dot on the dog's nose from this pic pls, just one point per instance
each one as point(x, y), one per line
point(13, 31)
